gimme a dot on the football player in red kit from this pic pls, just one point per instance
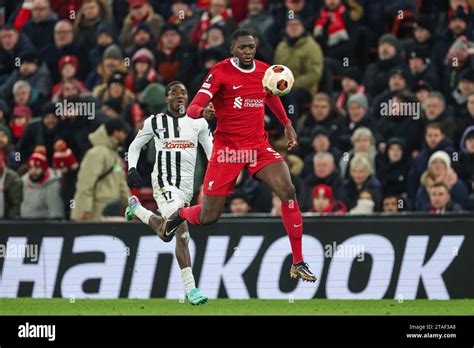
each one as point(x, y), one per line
point(238, 103)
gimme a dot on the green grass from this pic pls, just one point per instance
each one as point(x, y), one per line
point(29, 306)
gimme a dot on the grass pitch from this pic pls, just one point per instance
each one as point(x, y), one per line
point(29, 306)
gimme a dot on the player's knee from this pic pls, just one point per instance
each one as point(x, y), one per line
point(288, 192)
point(210, 219)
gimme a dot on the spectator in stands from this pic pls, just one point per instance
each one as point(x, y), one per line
point(142, 38)
point(21, 116)
point(24, 95)
point(258, 18)
point(392, 168)
point(13, 44)
point(422, 35)
point(435, 140)
point(357, 117)
point(398, 80)
point(140, 11)
point(41, 190)
point(421, 91)
point(239, 203)
point(464, 119)
point(42, 130)
point(101, 179)
point(216, 39)
point(389, 56)
point(434, 109)
point(112, 62)
point(393, 204)
point(34, 72)
point(323, 201)
point(65, 44)
point(458, 60)
point(183, 16)
point(361, 178)
point(11, 190)
point(440, 171)
point(365, 203)
point(300, 52)
point(4, 112)
point(363, 143)
point(207, 58)
point(91, 15)
point(174, 60)
point(259, 195)
point(350, 84)
point(421, 68)
point(465, 164)
point(142, 71)
point(68, 89)
point(104, 38)
point(324, 172)
point(458, 98)
point(440, 200)
point(7, 147)
point(65, 8)
point(40, 26)
point(217, 13)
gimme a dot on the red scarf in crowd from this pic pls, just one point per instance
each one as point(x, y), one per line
point(200, 32)
point(337, 28)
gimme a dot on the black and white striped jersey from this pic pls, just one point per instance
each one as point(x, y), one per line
point(176, 143)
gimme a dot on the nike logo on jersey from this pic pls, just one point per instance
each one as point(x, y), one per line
point(237, 87)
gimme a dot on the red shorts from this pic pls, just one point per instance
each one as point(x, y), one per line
point(226, 164)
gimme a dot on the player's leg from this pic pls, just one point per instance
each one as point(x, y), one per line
point(183, 256)
point(277, 176)
point(135, 209)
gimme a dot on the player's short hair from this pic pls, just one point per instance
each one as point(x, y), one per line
point(171, 84)
point(238, 33)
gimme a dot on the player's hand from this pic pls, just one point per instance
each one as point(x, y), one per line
point(209, 112)
point(133, 178)
point(290, 133)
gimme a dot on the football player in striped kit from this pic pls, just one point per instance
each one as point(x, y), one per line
point(176, 138)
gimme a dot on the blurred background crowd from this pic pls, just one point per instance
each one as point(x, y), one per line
point(383, 102)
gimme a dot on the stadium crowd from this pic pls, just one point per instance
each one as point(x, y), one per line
point(383, 100)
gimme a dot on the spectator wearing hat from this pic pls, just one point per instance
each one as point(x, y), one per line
point(101, 179)
point(465, 165)
point(440, 200)
point(458, 97)
point(357, 108)
point(88, 19)
point(21, 116)
point(424, 35)
point(41, 190)
point(435, 111)
point(219, 13)
point(239, 203)
point(389, 56)
point(40, 27)
point(34, 72)
point(142, 71)
point(105, 37)
point(11, 190)
point(13, 44)
point(65, 44)
point(68, 89)
point(258, 18)
point(439, 171)
point(140, 11)
point(216, 38)
point(42, 130)
point(392, 168)
point(183, 16)
point(174, 61)
point(6, 145)
point(323, 201)
point(322, 114)
point(421, 89)
point(457, 27)
point(142, 38)
point(303, 55)
point(421, 68)
point(351, 83)
point(68, 67)
point(112, 62)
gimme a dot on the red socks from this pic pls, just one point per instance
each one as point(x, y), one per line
point(191, 214)
point(291, 215)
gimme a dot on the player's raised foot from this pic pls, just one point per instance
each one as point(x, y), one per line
point(172, 223)
point(301, 271)
point(133, 203)
point(195, 297)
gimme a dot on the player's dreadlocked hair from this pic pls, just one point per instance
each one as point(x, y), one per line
point(171, 84)
point(238, 33)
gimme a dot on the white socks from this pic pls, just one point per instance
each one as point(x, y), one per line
point(188, 279)
point(143, 214)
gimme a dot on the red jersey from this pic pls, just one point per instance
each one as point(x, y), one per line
point(239, 99)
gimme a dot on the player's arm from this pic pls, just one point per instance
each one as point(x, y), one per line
point(200, 106)
point(205, 139)
point(142, 138)
point(275, 105)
